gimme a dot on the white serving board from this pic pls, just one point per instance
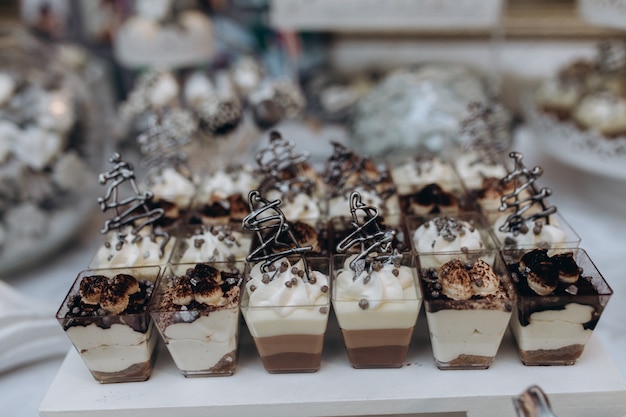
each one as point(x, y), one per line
point(593, 387)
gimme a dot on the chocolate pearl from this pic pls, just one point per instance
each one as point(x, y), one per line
point(324, 288)
point(364, 304)
point(324, 310)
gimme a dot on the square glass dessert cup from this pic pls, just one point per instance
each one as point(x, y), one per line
point(436, 233)
point(287, 312)
point(196, 311)
point(553, 329)
point(556, 234)
point(341, 227)
point(105, 315)
point(376, 310)
point(468, 302)
point(306, 232)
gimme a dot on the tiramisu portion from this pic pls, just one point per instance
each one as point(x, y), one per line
point(105, 316)
point(427, 185)
point(196, 310)
point(468, 305)
point(560, 300)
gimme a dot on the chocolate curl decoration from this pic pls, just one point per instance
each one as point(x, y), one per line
point(485, 128)
point(162, 143)
point(268, 221)
point(524, 179)
point(133, 210)
point(369, 235)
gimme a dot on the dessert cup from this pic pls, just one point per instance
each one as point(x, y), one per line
point(286, 312)
point(105, 316)
point(468, 303)
point(553, 329)
point(196, 310)
point(376, 310)
point(444, 236)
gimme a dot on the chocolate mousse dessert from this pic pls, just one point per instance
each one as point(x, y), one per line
point(105, 316)
point(560, 300)
point(196, 310)
point(468, 305)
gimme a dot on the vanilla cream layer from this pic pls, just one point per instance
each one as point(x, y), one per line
point(143, 252)
point(466, 332)
point(201, 344)
point(113, 349)
point(270, 321)
point(554, 329)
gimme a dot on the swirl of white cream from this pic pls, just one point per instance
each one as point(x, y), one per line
point(415, 174)
point(173, 186)
point(472, 173)
point(340, 206)
point(221, 184)
point(376, 286)
point(133, 252)
point(215, 247)
point(547, 235)
point(429, 239)
point(286, 291)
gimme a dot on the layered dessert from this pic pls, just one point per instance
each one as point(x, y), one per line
point(560, 300)
point(427, 185)
point(105, 316)
point(443, 237)
point(196, 310)
point(222, 196)
point(468, 306)
point(286, 305)
point(376, 304)
point(215, 243)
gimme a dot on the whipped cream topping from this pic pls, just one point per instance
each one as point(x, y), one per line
point(446, 234)
point(534, 233)
point(221, 184)
point(411, 176)
point(603, 111)
point(131, 249)
point(285, 287)
point(216, 243)
point(554, 93)
point(7, 87)
point(339, 206)
point(298, 207)
point(171, 185)
point(472, 172)
point(371, 289)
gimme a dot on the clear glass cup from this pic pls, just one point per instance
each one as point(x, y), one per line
point(467, 324)
point(107, 320)
point(196, 310)
point(289, 336)
point(555, 234)
point(553, 329)
point(377, 324)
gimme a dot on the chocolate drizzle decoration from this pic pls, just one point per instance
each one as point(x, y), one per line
point(279, 164)
point(371, 237)
point(133, 210)
point(486, 131)
point(269, 223)
point(524, 181)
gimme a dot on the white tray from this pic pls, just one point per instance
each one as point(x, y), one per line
point(592, 387)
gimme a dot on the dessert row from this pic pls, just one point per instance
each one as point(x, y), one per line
point(374, 273)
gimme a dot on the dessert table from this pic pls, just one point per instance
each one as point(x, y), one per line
point(58, 384)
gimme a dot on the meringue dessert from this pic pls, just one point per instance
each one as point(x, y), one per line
point(196, 310)
point(376, 308)
point(105, 316)
point(286, 310)
point(215, 243)
point(560, 300)
point(444, 236)
point(468, 306)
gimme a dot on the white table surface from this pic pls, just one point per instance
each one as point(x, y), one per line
point(594, 206)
